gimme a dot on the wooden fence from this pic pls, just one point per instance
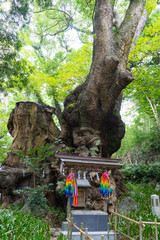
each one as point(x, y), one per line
point(140, 223)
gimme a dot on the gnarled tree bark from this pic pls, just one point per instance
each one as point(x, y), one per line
point(91, 119)
point(31, 125)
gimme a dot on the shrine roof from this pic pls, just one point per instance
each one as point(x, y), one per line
point(83, 183)
point(89, 162)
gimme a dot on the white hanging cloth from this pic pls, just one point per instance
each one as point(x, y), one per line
point(43, 175)
point(97, 177)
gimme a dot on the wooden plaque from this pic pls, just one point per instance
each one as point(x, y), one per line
point(81, 197)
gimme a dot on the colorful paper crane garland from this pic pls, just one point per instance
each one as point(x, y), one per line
point(106, 187)
point(71, 190)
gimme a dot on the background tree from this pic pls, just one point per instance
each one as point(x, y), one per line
point(50, 47)
point(144, 60)
point(14, 70)
point(144, 134)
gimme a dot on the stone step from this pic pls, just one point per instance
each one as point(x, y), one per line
point(65, 226)
point(108, 235)
point(55, 232)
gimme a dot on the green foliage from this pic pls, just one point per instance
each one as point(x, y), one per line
point(36, 198)
point(17, 225)
point(144, 134)
point(141, 194)
point(34, 157)
point(46, 29)
point(145, 91)
point(5, 143)
point(147, 46)
point(141, 140)
point(5, 138)
point(141, 173)
point(63, 77)
point(73, 72)
point(34, 161)
point(150, 5)
point(58, 215)
point(43, 4)
point(62, 237)
point(14, 70)
point(144, 60)
point(59, 68)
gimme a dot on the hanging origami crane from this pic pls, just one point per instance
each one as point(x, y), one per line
point(106, 187)
point(71, 189)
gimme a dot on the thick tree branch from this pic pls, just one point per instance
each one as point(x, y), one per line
point(64, 44)
point(58, 22)
point(103, 40)
point(58, 32)
point(40, 101)
point(128, 28)
point(81, 30)
point(58, 111)
point(66, 18)
point(140, 26)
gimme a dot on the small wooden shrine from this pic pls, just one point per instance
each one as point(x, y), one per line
point(82, 167)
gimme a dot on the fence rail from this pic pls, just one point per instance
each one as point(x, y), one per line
point(140, 223)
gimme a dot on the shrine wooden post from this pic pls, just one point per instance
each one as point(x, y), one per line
point(104, 206)
point(68, 206)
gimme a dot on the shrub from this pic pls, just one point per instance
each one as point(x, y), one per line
point(36, 198)
point(142, 172)
point(58, 215)
point(62, 237)
point(141, 193)
point(17, 225)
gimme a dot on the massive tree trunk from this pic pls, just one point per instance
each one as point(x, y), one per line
point(31, 125)
point(91, 120)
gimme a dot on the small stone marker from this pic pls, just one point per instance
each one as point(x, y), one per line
point(95, 220)
point(155, 204)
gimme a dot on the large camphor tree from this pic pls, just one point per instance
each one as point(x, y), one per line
point(91, 121)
